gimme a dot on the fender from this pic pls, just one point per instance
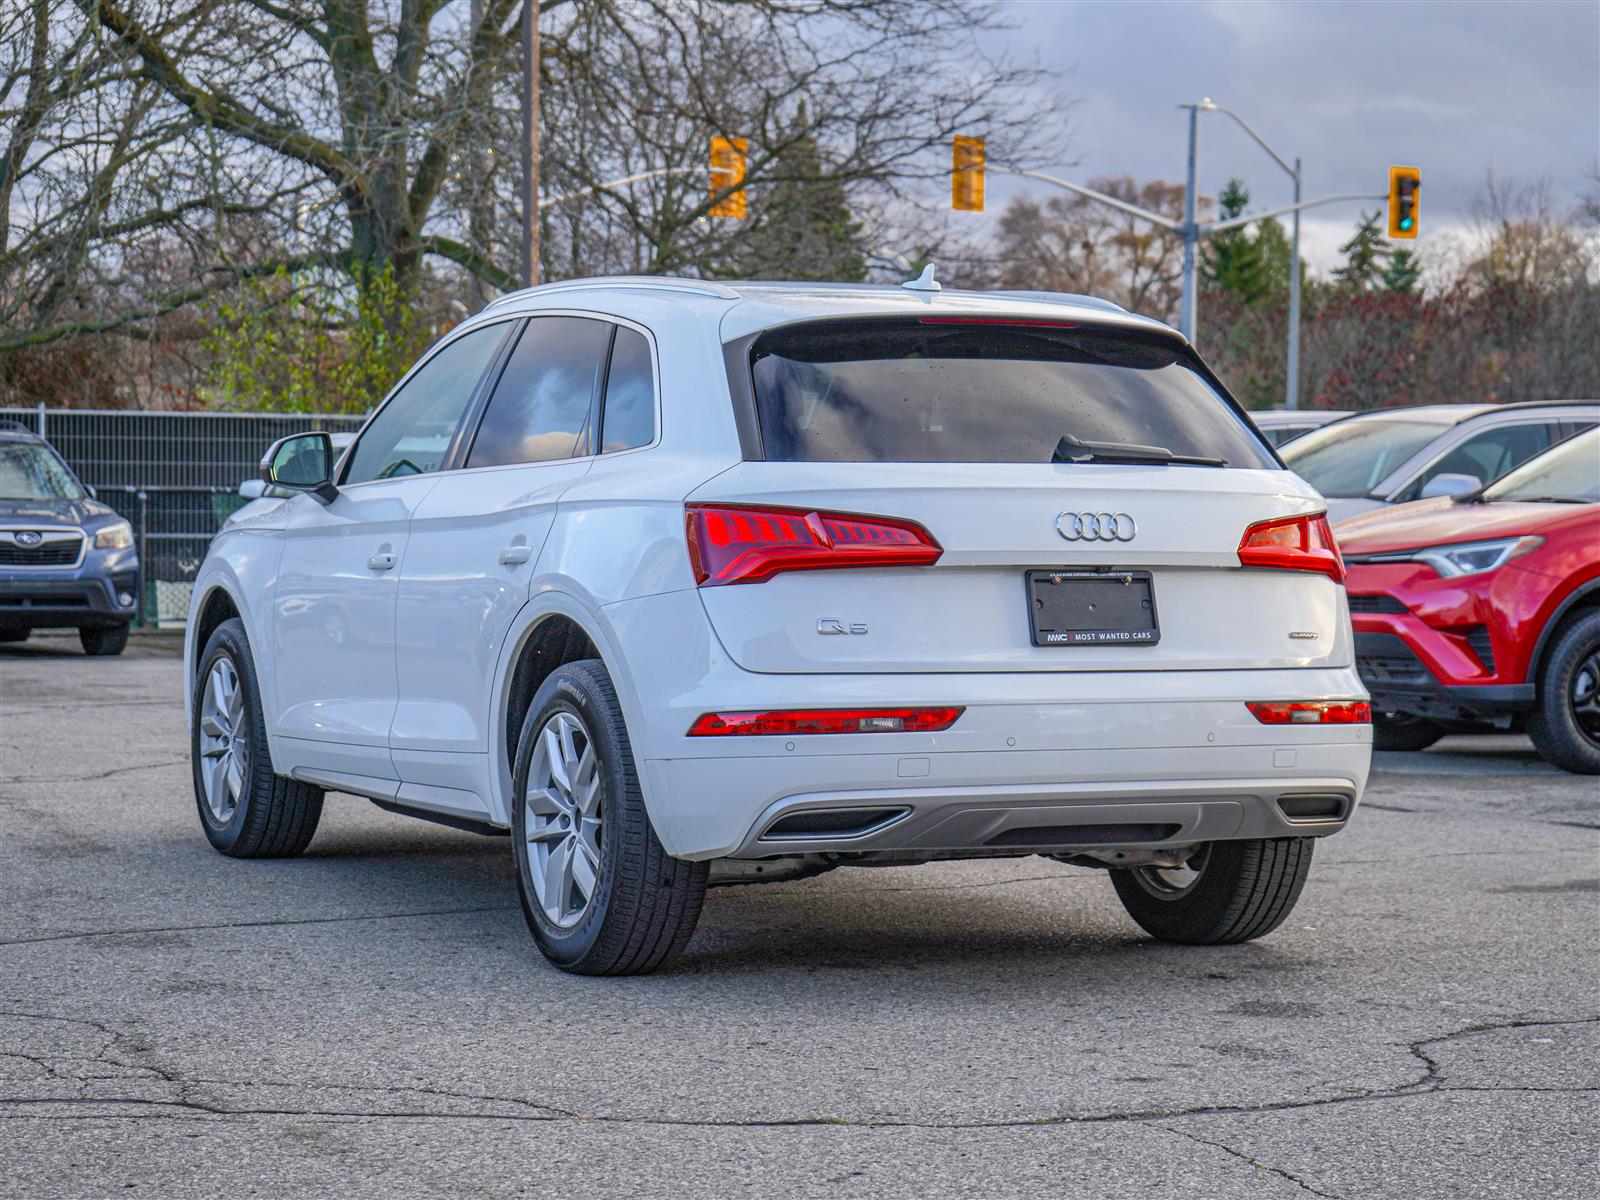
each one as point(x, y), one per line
point(545, 603)
point(1579, 594)
point(221, 572)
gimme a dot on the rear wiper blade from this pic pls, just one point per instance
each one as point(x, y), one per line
point(1075, 450)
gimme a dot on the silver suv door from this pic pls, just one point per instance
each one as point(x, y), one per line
point(333, 608)
point(475, 543)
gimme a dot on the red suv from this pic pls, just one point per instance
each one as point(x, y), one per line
point(1484, 609)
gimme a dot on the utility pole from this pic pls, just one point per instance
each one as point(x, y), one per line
point(478, 218)
point(530, 142)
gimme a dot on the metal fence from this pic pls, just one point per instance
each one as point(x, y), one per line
point(174, 476)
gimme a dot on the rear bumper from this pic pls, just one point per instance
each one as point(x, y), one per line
point(29, 601)
point(1044, 775)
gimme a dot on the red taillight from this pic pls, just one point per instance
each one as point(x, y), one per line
point(1293, 544)
point(739, 544)
point(1312, 712)
point(825, 720)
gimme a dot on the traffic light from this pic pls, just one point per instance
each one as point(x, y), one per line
point(727, 170)
point(966, 174)
point(1405, 185)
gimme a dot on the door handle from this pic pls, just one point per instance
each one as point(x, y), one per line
point(380, 562)
point(515, 556)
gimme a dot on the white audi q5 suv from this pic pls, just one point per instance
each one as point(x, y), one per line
point(683, 583)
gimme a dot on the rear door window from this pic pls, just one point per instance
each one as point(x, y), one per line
point(958, 390)
point(540, 408)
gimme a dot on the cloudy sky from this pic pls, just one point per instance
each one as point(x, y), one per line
point(1349, 86)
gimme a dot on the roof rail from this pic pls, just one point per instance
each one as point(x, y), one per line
point(1061, 298)
point(670, 283)
point(9, 426)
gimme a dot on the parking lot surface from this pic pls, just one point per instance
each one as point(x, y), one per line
point(373, 1019)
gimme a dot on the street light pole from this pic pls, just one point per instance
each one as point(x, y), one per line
point(1191, 234)
point(1291, 395)
point(1291, 391)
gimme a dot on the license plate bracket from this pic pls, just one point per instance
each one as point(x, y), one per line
point(1085, 607)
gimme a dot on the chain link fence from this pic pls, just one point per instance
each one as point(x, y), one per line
point(174, 476)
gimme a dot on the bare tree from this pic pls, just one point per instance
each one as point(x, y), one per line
point(1072, 244)
point(385, 107)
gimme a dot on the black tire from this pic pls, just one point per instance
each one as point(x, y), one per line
point(273, 816)
point(1401, 731)
point(1565, 722)
point(104, 640)
point(644, 903)
point(1243, 890)
point(14, 635)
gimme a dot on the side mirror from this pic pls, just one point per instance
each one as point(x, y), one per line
point(252, 489)
point(1447, 483)
point(301, 462)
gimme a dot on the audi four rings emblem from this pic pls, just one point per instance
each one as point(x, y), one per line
point(1096, 527)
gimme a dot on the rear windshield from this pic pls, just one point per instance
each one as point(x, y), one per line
point(941, 390)
point(1350, 458)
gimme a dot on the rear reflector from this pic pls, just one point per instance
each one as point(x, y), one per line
point(1312, 712)
point(825, 720)
point(742, 544)
point(1293, 544)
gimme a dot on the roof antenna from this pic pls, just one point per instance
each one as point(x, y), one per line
point(924, 282)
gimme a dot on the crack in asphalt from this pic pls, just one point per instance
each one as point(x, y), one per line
point(1431, 1083)
point(171, 762)
point(1416, 858)
point(1254, 1162)
point(272, 924)
point(75, 705)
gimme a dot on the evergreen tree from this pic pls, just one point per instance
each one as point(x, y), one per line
point(1403, 274)
point(1364, 256)
point(1272, 244)
point(1232, 260)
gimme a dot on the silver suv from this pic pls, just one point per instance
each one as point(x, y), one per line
point(684, 583)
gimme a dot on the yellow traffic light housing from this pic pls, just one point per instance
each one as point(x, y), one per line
point(966, 174)
point(727, 170)
point(1405, 186)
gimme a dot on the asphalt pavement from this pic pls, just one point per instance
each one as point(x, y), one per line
point(373, 1020)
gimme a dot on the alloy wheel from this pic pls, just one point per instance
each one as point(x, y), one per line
point(224, 743)
point(1171, 882)
point(562, 820)
point(1585, 696)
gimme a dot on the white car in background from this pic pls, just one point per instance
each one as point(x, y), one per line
point(683, 583)
point(1392, 455)
point(1280, 425)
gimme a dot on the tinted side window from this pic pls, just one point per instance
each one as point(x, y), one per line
point(411, 434)
point(540, 407)
point(630, 408)
point(1489, 455)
